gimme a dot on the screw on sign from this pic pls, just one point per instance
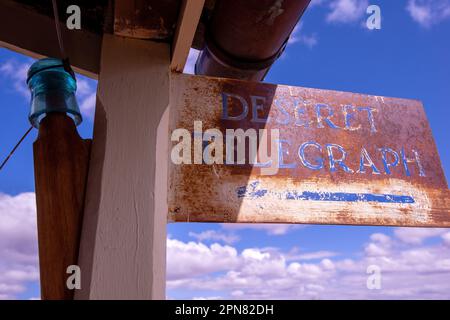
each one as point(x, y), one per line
point(335, 157)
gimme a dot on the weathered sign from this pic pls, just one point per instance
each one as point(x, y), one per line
point(255, 152)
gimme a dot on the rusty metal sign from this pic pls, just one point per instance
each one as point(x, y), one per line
point(255, 152)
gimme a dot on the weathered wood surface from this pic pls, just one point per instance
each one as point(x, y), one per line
point(61, 161)
point(122, 252)
point(188, 21)
point(33, 34)
point(400, 181)
point(146, 19)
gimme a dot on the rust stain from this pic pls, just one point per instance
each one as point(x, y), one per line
point(146, 19)
point(401, 181)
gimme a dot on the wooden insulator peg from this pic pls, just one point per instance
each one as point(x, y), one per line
point(61, 162)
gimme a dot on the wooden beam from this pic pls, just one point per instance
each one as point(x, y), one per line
point(146, 19)
point(61, 161)
point(27, 32)
point(122, 254)
point(188, 20)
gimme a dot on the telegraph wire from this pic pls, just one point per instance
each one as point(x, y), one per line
point(67, 67)
point(15, 148)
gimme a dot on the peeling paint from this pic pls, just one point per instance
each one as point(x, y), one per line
point(378, 168)
point(251, 192)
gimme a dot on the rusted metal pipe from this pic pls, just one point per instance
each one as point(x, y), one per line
point(245, 38)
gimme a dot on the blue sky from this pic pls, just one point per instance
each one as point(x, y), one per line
point(331, 49)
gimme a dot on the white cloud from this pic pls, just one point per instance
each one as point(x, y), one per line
point(380, 238)
point(446, 238)
point(409, 271)
point(269, 228)
point(83, 86)
point(298, 36)
point(314, 3)
point(207, 298)
point(16, 72)
point(296, 255)
point(314, 255)
point(309, 41)
point(190, 63)
point(18, 244)
point(193, 258)
point(257, 262)
point(420, 14)
point(417, 235)
point(86, 96)
point(347, 11)
point(375, 250)
point(215, 236)
point(380, 245)
point(428, 12)
point(87, 105)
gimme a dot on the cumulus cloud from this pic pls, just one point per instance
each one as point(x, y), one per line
point(417, 235)
point(194, 258)
point(409, 270)
point(16, 74)
point(269, 228)
point(295, 254)
point(446, 238)
point(207, 298)
point(317, 255)
point(347, 11)
point(87, 96)
point(428, 12)
point(18, 244)
point(410, 267)
point(298, 36)
point(214, 236)
point(379, 246)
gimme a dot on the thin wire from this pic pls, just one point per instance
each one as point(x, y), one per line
point(15, 148)
point(58, 30)
point(64, 58)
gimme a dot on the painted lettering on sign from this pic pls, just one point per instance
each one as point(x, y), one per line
point(211, 146)
point(252, 191)
point(256, 152)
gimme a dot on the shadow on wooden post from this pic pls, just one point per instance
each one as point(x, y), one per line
point(61, 162)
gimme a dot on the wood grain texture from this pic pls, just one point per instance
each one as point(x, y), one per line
point(188, 20)
point(61, 161)
point(122, 254)
point(33, 34)
point(146, 19)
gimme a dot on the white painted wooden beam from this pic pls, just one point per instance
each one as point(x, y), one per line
point(123, 245)
point(189, 17)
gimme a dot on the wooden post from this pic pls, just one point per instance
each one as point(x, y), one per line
point(60, 162)
point(122, 253)
point(188, 19)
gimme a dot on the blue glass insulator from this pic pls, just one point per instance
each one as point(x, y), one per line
point(52, 90)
